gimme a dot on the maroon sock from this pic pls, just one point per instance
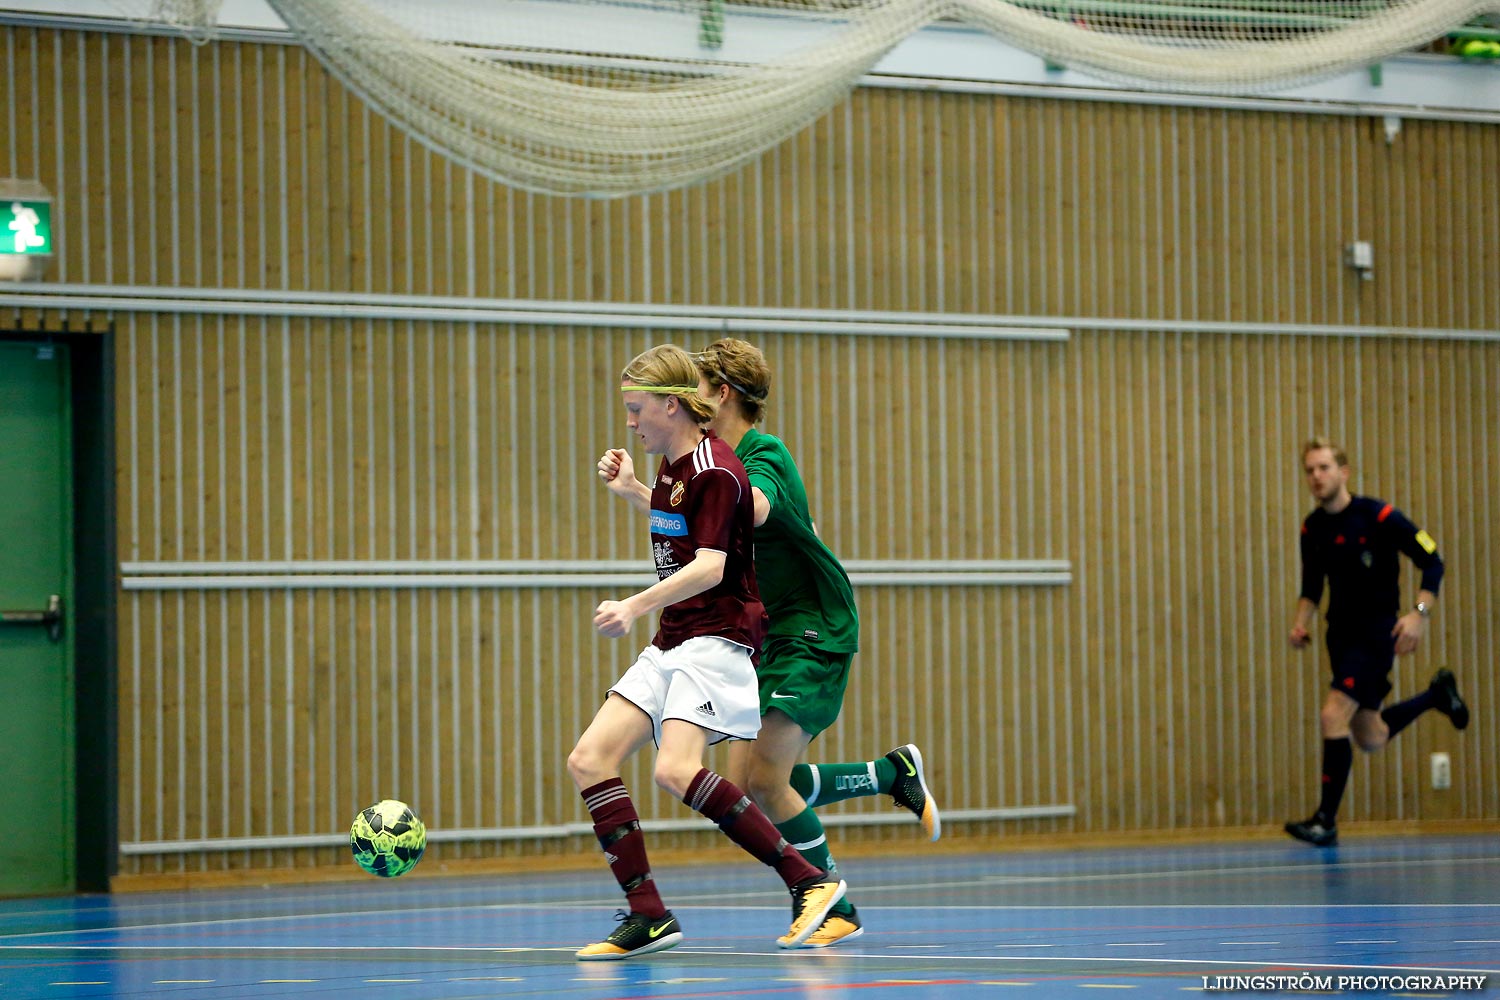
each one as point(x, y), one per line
point(744, 823)
point(619, 831)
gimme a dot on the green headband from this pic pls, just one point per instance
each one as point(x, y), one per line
point(671, 390)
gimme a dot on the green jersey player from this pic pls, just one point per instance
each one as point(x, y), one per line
point(814, 632)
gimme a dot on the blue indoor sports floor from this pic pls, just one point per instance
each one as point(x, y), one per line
point(1025, 924)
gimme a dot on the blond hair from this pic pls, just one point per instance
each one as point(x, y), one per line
point(743, 368)
point(1318, 443)
point(669, 370)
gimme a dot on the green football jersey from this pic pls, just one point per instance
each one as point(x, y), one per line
point(804, 588)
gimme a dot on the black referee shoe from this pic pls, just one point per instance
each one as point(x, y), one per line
point(1445, 687)
point(1314, 832)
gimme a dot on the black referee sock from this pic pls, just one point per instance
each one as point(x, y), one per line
point(1401, 714)
point(1338, 758)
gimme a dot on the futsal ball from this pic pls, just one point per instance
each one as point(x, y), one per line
point(1478, 48)
point(387, 839)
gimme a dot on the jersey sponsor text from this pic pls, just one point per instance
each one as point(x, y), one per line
point(666, 523)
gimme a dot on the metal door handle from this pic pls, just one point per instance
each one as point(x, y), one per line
point(51, 619)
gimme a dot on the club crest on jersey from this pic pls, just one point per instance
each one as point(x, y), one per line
point(679, 490)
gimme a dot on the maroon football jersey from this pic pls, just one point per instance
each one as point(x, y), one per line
point(703, 501)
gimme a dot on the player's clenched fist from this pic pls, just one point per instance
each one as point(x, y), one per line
point(616, 469)
point(612, 619)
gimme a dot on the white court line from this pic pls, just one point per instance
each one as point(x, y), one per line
point(830, 955)
point(709, 906)
point(826, 955)
point(866, 889)
point(1375, 941)
point(1188, 872)
point(1006, 907)
point(395, 948)
point(1262, 943)
point(330, 915)
point(293, 897)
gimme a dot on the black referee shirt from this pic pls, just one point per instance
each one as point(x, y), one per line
point(1356, 550)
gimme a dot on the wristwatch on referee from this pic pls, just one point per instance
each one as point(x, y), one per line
point(1424, 609)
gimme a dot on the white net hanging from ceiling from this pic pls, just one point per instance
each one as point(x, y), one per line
point(619, 97)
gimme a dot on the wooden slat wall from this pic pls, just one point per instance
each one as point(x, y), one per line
point(1155, 693)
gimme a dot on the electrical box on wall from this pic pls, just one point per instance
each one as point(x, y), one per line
point(1442, 771)
point(1360, 255)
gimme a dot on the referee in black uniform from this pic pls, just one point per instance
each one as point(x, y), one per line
point(1354, 541)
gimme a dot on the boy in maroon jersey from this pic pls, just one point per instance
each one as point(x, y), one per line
point(695, 683)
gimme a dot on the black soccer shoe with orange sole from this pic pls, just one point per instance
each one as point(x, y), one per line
point(637, 934)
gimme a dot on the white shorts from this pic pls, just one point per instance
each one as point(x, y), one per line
point(707, 681)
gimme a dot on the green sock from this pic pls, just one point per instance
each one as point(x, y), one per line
point(804, 831)
point(820, 784)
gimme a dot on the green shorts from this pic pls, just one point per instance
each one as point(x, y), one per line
point(803, 682)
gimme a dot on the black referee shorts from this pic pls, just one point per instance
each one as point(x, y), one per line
point(1362, 657)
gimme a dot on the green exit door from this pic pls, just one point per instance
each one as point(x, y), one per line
point(36, 707)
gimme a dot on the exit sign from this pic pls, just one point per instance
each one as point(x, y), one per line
point(25, 227)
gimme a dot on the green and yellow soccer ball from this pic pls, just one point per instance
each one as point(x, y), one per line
point(387, 839)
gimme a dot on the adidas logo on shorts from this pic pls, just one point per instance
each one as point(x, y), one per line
point(707, 708)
